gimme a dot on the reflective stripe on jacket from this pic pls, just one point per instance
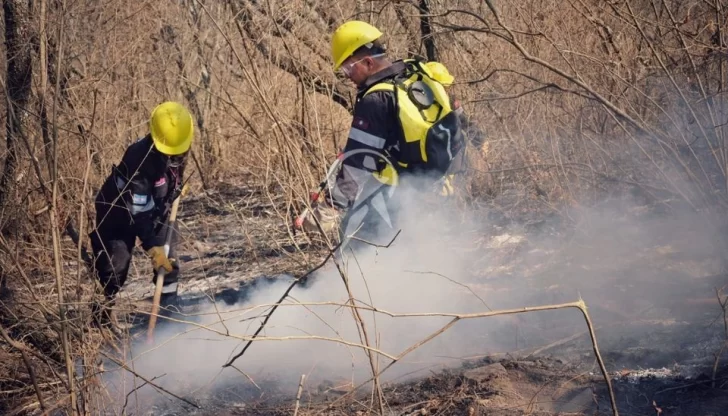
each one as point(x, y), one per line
point(138, 192)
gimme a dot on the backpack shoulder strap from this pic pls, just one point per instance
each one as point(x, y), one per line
point(412, 67)
point(382, 86)
point(416, 66)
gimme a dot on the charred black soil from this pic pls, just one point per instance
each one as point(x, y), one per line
point(651, 293)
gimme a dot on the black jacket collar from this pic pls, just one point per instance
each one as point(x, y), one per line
point(391, 71)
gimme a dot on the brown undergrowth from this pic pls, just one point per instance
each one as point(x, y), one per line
point(580, 102)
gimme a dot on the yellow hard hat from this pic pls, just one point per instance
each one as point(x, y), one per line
point(172, 128)
point(349, 37)
point(439, 73)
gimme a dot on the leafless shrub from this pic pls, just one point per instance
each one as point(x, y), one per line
point(580, 100)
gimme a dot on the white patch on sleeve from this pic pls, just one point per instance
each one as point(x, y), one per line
point(141, 203)
point(139, 199)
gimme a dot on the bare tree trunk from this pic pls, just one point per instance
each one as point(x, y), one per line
point(18, 33)
point(413, 49)
point(426, 30)
point(211, 146)
point(43, 57)
point(191, 97)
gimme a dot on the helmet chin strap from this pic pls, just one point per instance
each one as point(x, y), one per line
point(177, 160)
point(172, 161)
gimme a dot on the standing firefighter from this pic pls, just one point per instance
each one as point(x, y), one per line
point(135, 201)
point(404, 126)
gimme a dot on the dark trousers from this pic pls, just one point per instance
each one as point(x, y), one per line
point(113, 246)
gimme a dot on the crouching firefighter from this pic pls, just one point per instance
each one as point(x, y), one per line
point(405, 128)
point(135, 201)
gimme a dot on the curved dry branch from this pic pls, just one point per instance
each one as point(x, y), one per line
point(456, 317)
point(580, 304)
point(286, 62)
point(511, 38)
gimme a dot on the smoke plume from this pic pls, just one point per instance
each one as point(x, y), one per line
point(441, 262)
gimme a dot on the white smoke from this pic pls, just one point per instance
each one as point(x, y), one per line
point(609, 260)
point(420, 272)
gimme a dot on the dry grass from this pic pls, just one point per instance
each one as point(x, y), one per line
point(581, 100)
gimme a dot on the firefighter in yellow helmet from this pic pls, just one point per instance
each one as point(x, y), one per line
point(391, 121)
point(135, 201)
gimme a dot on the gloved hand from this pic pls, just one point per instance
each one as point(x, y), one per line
point(159, 259)
point(328, 199)
point(326, 215)
point(178, 193)
point(447, 188)
point(169, 277)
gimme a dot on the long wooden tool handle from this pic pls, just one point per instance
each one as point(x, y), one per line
point(160, 273)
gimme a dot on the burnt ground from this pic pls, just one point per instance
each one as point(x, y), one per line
point(649, 281)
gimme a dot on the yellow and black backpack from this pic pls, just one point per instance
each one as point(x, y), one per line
point(430, 126)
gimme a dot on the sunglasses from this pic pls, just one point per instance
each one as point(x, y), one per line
point(346, 68)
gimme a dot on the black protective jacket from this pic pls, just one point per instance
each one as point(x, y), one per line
point(375, 127)
point(137, 196)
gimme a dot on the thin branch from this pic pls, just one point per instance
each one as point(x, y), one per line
point(298, 394)
point(724, 308)
point(134, 390)
point(54, 223)
point(456, 317)
point(546, 87)
point(31, 372)
point(267, 318)
point(455, 282)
